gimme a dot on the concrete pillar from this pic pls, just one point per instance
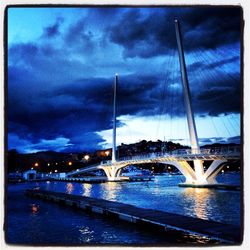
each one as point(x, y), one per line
point(213, 170)
point(185, 169)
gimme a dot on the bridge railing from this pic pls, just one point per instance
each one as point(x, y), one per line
point(186, 152)
point(225, 151)
point(81, 169)
point(206, 151)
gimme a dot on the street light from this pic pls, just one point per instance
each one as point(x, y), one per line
point(86, 157)
point(36, 164)
point(70, 163)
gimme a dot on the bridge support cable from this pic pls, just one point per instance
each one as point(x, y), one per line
point(164, 98)
point(213, 76)
point(201, 77)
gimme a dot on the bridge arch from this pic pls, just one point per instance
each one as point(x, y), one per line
point(114, 172)
point(181, 162)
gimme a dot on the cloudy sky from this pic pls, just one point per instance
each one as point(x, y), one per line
point(62, 63)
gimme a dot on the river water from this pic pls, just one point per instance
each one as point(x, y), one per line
point(55, 225)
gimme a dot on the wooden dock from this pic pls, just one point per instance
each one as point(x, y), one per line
point(153, 219)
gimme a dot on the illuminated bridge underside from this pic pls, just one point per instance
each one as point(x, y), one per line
point(179, 160)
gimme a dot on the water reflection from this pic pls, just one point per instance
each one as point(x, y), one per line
point(199, 200)
point(110, 190)
point(86, 234)
point(69, 188)
point(34, 208)
point(162, 194)
point(86, 189)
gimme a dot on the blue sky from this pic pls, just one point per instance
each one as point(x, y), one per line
point(62, 62)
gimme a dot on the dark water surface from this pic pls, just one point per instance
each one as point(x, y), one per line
point(53, 224)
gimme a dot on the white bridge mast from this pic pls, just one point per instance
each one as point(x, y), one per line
point(114, 121)
point(190, 116)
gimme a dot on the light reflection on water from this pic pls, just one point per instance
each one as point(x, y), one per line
point(86, 189)
point(110, 192)
point(69, 188)
point(54, 224)
point(164, 194)
point(200, 201)
point(86, 234)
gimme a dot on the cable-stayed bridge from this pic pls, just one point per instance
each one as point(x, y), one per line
point(177, 158)
point(180, 158)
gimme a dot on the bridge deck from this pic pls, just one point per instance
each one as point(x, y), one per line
point(154, 219)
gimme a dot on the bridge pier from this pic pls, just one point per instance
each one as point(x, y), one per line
point(112, 172)
point(213, 171)
point(194, 178)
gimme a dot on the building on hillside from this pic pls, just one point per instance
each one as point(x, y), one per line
point(104, 153)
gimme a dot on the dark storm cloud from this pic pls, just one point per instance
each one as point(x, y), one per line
point(83, 105)
point(53, 30)
point(80, 37)
point(86, 104)
point(52, 95)
point(53, 114)
point(150, 35)
point(215, 100)
point(23, 52)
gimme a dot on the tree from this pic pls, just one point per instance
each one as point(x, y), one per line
point(12, 160)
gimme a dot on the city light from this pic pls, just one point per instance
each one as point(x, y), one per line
point(70, 163)
point(48, 164)
point(36, 164)
point(86, 157)
point(56, 171)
